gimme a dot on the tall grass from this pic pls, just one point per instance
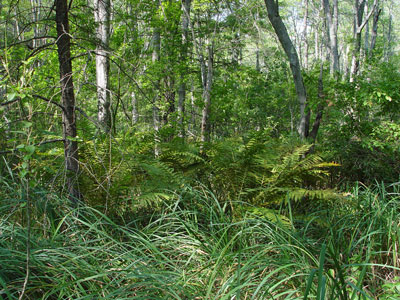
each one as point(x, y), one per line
point(194, 249)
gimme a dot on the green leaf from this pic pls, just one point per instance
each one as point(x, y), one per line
point(30, 149)
point(23, 173)
point(26, 124)
point(74, 139)
point(11, 97)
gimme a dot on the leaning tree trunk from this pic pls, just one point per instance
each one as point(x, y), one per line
point(102, 10)
point(290, 50)
point(68, 100)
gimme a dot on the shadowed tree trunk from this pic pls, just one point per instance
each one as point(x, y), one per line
point(290, 50)
point(320, 109)
point(374, 32)
point(68, 100)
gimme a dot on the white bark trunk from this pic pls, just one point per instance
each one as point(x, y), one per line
point(135, 112)
point(102, 14)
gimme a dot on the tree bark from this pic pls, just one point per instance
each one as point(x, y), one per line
point(283, 36)
point(374, 32)
point(135, 112)
point(156, 110)
point(358, 26)
point(102, 11)
point(332, 28)
point(366, 35)
point(68, 100)
point(207, 85)
point(305, 38)
point(320, 109)
point(186, 4)
point(388, 49)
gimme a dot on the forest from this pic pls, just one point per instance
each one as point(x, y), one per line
point(200, 149)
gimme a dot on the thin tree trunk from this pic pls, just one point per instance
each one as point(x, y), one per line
point(68, 100)
point(374, 32)
point(366, 35)
point(156, 109)
point(102, 11)
point(290, 50)
point(320, 109)
point(35, 18)
point(388, 48)
point(358, 26)
point(346, 60)
point(186, 4)
point(316, 45)
point(258, 63)
point(207, 85)
point(305, 38)
point(135, 112)
point(169, 97)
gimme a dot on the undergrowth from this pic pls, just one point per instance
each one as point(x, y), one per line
point(195, 248)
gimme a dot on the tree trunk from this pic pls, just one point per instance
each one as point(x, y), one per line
point(320, 109)
point(332, 28)
point(388, 48)
point(156, 109)
point(316, 46)
point(68, 100)
point(283, 36)
point(366, 35)
point(182, 86)
point(207, 85)
point(305, 38)
point(374, 32)
point(358, 26)
point(193, 112)
point(135, 112)
point(35, 18)
point(102, 10)
point(169, 97)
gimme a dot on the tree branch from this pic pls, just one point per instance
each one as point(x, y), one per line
point(361, 27)
point(36, 144)
point(50, 101)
